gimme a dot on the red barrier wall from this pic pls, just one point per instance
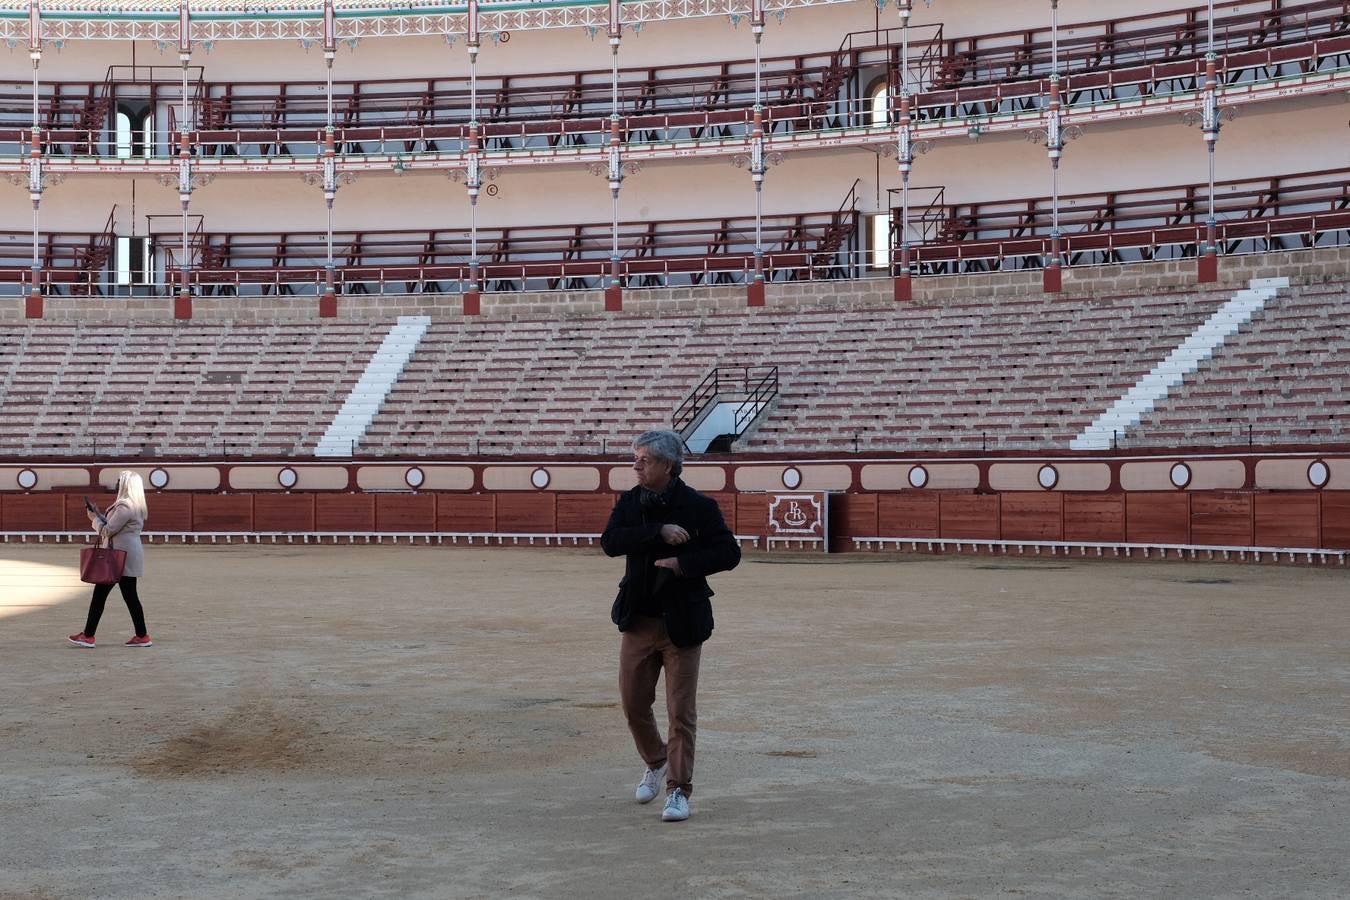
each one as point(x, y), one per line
point(1308, 519)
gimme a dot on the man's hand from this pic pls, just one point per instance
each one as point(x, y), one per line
point(672, 563)
point(674, 535)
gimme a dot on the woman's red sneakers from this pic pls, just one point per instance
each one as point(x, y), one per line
point(81, 640)
point(140, 640)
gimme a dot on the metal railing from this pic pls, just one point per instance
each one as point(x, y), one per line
point(752, 386)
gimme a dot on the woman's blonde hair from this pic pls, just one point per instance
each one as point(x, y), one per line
point(131, 491)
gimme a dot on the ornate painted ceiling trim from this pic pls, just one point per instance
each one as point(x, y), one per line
point(225, 20)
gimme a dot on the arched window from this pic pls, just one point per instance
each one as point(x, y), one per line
point(878, 102)
point(135, 130)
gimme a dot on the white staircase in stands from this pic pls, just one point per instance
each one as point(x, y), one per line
point(1199, 346)
point(367, 396)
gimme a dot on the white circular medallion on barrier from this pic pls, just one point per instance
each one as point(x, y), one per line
point(158, 478)
point(27, 479)
point(918, 476)
point(1318, 474)
point(1047, 477)
point(792, 478)
point(539, 478)
point(414, 477)
point(287, 477)
point(1180, 475)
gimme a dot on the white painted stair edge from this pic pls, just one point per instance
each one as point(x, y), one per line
point(367, 395)
point(1184, 360)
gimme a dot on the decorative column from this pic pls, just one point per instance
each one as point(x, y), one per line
point(1055, 134)
point(474, 173)
point(327, 177)
point(1052, 278)
point(182, 305)
point(904, 156)
point(473, 176)
point(1208, 256)
point(755, 293)
point(614, 167)
point(33, 305)
point(328, 301)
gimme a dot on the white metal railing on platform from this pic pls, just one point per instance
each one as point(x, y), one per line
point(478, 538)
point(1117, 549)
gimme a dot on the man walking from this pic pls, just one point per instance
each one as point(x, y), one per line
point(673, 537)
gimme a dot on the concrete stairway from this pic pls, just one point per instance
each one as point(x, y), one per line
point(1183, 361)
point(366, 397)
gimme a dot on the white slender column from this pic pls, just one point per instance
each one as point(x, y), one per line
point(614, 161)
point(182, 307)
point(1053, 279)
point(33, 304)
point(328, 302)
point(755, 295)
point(1208, 255)
point(904, 156)
point(473, 175)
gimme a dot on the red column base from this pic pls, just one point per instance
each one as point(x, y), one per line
point(32, 306)
point(182, 306)
point(1052, 279)
point(328, 305)
point(1209, 268)
point(613, 298)
point(754, 292)
point(472, 303)
point(904, 288)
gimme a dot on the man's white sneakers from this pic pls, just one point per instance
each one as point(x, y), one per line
point(677, 807)
point(653, 780)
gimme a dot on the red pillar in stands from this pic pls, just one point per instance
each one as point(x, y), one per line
point(328, 299)
point(614, 290)
point(904, 282)
point(755, 292)
point(1209, 266)
point(32, 304)
point(1052, 276)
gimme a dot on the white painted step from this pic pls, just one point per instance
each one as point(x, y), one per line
point(1127, 411)
point(363, 403)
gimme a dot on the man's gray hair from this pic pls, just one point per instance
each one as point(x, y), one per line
point(666, 444)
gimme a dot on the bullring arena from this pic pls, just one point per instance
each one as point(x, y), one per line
point(1012, 340)
point(420, 722)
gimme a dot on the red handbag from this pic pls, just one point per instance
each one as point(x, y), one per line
point(102, 565)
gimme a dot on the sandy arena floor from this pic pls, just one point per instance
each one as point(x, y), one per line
point(429, 722)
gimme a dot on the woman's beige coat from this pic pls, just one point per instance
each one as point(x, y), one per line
point(123, 529)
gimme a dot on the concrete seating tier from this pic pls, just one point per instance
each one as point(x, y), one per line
point(1283, 379)
point(998, 374)
point(1020, 373)
point(154, 389)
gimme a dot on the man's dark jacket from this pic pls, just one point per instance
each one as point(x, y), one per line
point(634, 530)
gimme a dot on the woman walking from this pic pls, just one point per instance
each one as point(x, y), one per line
point(120, 526)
